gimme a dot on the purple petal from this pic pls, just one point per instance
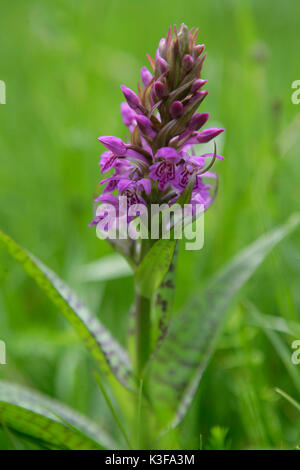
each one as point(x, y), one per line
point(115, 144)
point(168, 153)
point(128, 114)
point(135, 156)
point(108, 199)
point(208, 174)
point(124, 184)
point(107, 161)
point(146, 183)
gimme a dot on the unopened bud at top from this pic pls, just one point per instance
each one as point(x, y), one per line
point(198, 49)
point(162, 64)
point(162, 47)
point(183, 37)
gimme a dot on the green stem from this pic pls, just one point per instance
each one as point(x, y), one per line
point(143, 337)
point(143, 332)
point(142, 308)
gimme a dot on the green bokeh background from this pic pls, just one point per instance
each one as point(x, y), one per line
point(63, 63)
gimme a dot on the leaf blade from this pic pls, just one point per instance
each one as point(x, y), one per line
point(177, 366)
point(37, 416)
point(164, 300)
point(110, 356)
point(155, 266)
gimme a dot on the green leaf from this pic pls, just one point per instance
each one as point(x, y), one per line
point(39, 417)
point(111, 357)
point(177, 366)
point(154, 266)
point(164, 299)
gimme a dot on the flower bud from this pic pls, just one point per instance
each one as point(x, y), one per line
point(197, 84)
point(197, 121)
point(145, 126)
point(176, 109)
point(146, 76)
point(131, 98)
point(160, 89)
point(208, 134)
point(183, 36)
point(200, 95)
point(162, 47)
point(187, 62)
point(198, 49)
point(162, 64)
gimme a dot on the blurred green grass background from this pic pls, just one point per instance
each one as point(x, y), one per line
point(63, 63)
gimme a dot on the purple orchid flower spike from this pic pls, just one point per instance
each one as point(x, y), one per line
point(163, 122)
point(152, 175)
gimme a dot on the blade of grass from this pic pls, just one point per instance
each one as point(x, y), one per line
point(288, 398)
point(278, 344)
point(113, 411)
point(139, 414)
point(111, 358)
